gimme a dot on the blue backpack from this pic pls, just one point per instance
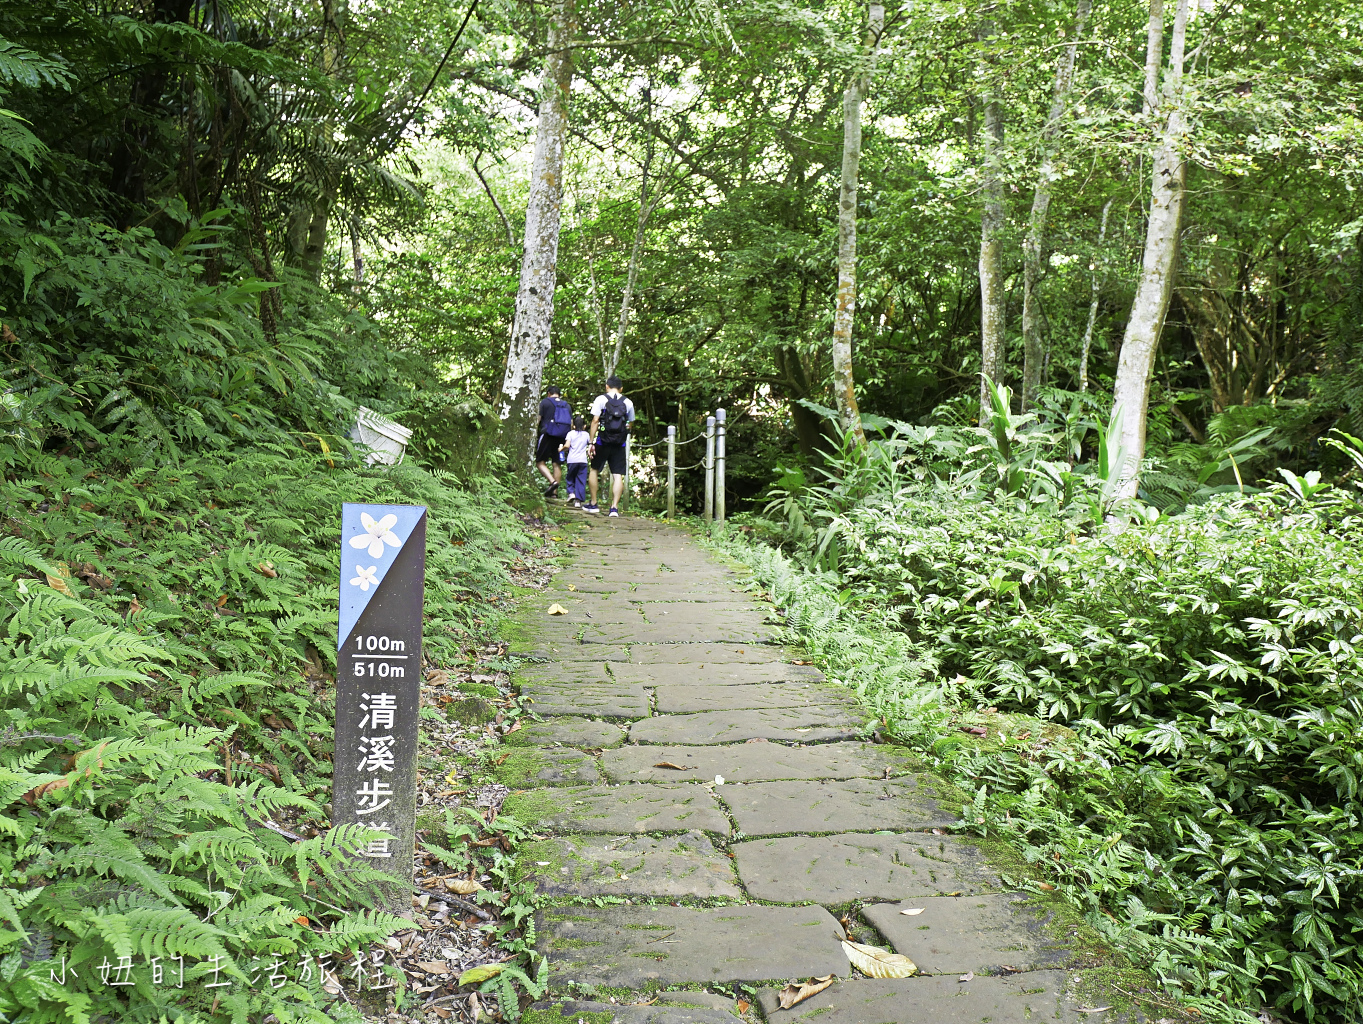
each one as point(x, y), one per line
point(562, 421)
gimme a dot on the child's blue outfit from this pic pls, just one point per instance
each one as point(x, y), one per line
point(576, 469)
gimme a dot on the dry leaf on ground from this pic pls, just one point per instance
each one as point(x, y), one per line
point(674, 767)
point(433, 966)
point(792, 993)
point(912, 911)
point(878, 963)
point(743, 1005)
point(557, 609)
point(967, 976)
point(463, 886)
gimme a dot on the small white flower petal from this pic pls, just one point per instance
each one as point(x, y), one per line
point(392, 538)
point(387, 523)
point(367, 521)
point(360, 540)
point(375, 547)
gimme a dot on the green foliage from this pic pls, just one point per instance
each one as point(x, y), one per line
point(157, 617)
point(1208, 666)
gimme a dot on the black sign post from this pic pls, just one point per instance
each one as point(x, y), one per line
point(378, 683)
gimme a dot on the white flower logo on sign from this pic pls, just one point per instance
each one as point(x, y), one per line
point(376, 534)
point(365, 577)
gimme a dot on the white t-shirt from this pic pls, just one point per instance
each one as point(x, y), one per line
point(599, 406)
point(577, 441)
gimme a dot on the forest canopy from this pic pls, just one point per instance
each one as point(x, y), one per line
point(1052, 306)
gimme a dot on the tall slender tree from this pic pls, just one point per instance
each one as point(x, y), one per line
point(844, 313)
point(1168, 178)
point(1033, 244)
point(993, 351)
point(530, 329)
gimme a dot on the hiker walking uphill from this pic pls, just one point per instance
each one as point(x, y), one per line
point(576, 446)
point(556, 417)
point(612, 413)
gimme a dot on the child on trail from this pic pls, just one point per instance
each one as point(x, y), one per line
point(575, 446)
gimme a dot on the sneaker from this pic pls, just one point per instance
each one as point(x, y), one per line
point(614, 512)
point(591, 508)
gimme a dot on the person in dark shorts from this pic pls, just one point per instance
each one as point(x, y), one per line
point(612, 413)
point(556, 419)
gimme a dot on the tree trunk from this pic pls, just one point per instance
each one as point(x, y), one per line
point(1093, 306)
point(1032, 355)
point(530, 338)
point(632, 275)
point(844, 314)
point(993, 351)
point(992, 344)
point(1131, 392)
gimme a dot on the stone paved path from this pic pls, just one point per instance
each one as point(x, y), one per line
point(662, 680)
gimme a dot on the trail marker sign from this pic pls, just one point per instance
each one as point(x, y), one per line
point(378, 680)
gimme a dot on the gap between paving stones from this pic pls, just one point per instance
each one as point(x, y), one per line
point(659, 682)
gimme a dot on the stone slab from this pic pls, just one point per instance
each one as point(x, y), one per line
point(801, 725)
point(1020, 999)
point(678, 807)
point(568, 732)
point(996, 934)
point(604, 700)
point(659, 1013)
point(528, 767)
point(717, 674)
point(673, 866)
point(654, 947)
point(562, 672)
point(681, 698)
point(705, 653)
point(701, 616)
point(755, 762)
point(850, 805)
point(860, 866)
point(718, 630)
point(570, 651)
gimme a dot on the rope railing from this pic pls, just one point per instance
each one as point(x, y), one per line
point(713, 463)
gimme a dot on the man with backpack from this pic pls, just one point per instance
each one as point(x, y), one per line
point(556, 419)
point(612, 413)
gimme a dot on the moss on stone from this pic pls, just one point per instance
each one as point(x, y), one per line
point(471, 711)
point(480, 690)
point(534, 805)
point(521, 767)
point(554, 1015)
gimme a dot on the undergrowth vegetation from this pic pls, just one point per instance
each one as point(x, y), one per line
point(1172, 705)
point(173, 475)
point(167, 667)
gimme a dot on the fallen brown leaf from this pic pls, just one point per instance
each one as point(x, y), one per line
point(502, 760)
point(463, 886)
point(515, 727)
point(442, 1013)
point(1045, 886)
point(792, 993)
point(743, 1005)
point(434, 966)
point(975, 730)
point(967, 976)
point(557, 609)
point(912, 911)
point(674, 767)
point(300, 919)
point(875, 962)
